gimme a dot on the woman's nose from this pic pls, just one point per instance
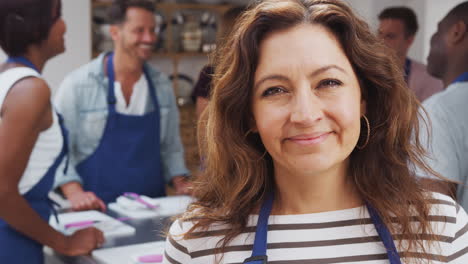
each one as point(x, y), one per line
point(306, 108)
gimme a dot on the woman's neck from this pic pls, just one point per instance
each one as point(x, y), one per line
point(302, 194)
point(36, 58)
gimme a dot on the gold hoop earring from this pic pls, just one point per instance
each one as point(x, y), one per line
point(368, 134)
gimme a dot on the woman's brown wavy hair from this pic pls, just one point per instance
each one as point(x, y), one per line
point(239, 173)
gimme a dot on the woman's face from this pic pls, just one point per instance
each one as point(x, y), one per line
point(306, 101)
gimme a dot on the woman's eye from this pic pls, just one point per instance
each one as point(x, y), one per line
point(329, 83)
point(273, 91)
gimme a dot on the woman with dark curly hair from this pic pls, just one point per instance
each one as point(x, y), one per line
point(33, 140)
point(308, 145)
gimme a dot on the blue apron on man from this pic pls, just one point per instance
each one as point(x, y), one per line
point(128, 157)
point(14, 246)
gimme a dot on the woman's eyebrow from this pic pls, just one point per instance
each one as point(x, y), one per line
point(271, 77)
point(284, 78)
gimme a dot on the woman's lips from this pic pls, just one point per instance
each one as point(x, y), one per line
point(310, 139)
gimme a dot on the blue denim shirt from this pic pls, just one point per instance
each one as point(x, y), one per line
point(82, 100)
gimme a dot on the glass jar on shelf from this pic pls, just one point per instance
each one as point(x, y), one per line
point(209, 27)
point(191, 35)
point(177, 25)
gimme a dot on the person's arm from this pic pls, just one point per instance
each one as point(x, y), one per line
point(172, 151)
point(25, 113)
point(182, 185)
point(80, 199)
point(70, 183)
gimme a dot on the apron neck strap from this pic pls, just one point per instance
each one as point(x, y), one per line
point(259, 255)
point(384, 235)
point(150, 86)
point(111, 100)
point(24, 61)
point(111, 77)
point(462, 78)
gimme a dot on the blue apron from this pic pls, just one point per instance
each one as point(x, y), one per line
point(462, 78)
point(259, 255)
point(14, 246)
point(128, 157)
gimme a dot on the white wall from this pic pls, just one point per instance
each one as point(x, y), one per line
point(435, 11)
point(363, 8)
point(76, 14)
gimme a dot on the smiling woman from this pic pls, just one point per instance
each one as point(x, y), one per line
point(307, 146)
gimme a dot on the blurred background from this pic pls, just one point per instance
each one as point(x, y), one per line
point(188, 30)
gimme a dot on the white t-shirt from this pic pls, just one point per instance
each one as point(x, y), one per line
point(447, 140)
point(49, 142)
point(138, 98)
point(343, 236)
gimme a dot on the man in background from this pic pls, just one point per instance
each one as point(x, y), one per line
point(398, 27)
point(447, 138)
point(122, 118)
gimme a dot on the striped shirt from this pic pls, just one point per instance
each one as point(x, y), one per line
point(344, 236)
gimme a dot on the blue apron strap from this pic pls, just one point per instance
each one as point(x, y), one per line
point(111, 100)
point(67, 160)
point(259, 255)
point(462, 78)
point(407, 69)
point(384, 235)
point(24, 61)
point(65, 142)
point(152, 89)
point(52, 208)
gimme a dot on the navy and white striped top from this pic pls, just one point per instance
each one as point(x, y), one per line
point(344, 236)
